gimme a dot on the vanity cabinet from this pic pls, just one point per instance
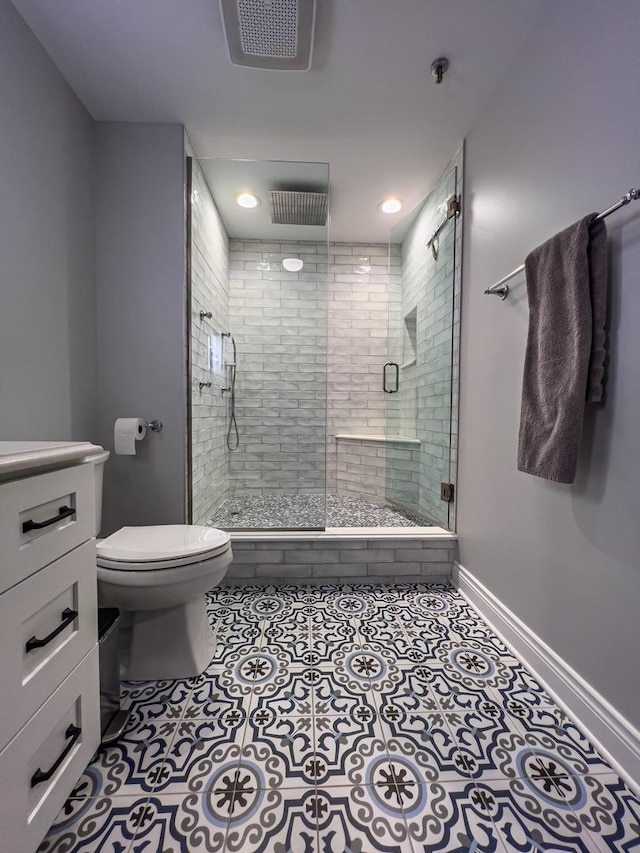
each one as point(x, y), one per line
point(49, 686)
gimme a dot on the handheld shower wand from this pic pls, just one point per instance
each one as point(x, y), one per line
point(233, 440)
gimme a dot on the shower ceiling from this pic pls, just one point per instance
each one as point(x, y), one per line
point(368, 106)
point(226, 178)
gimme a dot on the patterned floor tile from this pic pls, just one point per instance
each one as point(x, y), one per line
point(329, 635)
point(357, 718)
point(613, 814)
point(198, 748)
point(292, 633)
point(389, 632)
point(292, 696)
point(369, 670)
point(155, 700)
point(105, 824)
point(191, 823)
point(450, 818)
point(131, 766)
point(230, 631)
point(283, 820)
point(539, 815)
point(249, 673)
point(209, 698)
point(411, 694)
point(363, 818)
point(337, 740)
point(290, 739)
point(330, 698)
point(424, 743)
point(560, 736)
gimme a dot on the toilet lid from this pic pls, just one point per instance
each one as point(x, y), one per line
point(155, 544)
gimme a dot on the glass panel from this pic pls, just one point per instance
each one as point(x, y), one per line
point(259, 349)
point(421, 324)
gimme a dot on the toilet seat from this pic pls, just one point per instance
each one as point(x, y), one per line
point(160, 547)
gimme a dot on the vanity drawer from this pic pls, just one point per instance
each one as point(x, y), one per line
point(42, 518)
point(40, 766)
point(48, 623)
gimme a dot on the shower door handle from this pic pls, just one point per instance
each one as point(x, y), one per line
point(396, 378)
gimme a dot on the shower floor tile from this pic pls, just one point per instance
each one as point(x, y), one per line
point(291, 511)
point(349, 718)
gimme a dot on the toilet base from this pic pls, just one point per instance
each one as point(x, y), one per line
point(175, 642)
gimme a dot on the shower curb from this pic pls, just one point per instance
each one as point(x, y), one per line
point(347, 556)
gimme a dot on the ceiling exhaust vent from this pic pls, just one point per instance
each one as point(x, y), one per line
point(298, 208)
point(274, 34)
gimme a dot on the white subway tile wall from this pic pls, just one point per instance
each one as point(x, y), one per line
point(279, 320)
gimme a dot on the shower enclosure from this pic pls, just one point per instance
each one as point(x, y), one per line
point(335, 361)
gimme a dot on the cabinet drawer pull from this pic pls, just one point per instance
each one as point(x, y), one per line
point(72, 732)
point(63, 512)
point(68, 615)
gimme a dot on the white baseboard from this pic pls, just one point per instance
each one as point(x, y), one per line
point(616, 738)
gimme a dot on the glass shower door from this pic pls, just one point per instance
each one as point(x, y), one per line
point(258, 335)
point(419, 422)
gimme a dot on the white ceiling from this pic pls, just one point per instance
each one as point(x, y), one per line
point(368, 106)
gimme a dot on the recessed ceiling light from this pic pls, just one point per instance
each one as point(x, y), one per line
point(390, 205)
point(292, 264)
point(247, 200)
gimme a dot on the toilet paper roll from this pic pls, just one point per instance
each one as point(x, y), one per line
point(125, 434)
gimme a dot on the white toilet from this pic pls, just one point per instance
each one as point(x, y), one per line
point(158, 576)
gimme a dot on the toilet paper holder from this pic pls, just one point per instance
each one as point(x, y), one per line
point(154, 426)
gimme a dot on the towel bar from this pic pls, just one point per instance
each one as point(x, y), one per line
point(501, 289)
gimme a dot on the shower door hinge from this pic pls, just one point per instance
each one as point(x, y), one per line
point(447, 492)
point(453, 206)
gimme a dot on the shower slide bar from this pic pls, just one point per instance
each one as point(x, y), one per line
point(501, 289)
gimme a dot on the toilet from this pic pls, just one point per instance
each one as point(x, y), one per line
point(158, 577)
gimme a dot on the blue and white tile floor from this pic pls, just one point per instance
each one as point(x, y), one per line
point(359, 719)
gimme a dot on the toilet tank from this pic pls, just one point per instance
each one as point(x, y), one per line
point(98, 461)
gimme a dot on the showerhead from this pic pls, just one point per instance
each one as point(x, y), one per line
point(298, 208)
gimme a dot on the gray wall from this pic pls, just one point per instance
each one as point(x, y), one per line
point(140, 278)
point(47, 283)
point(559, 139)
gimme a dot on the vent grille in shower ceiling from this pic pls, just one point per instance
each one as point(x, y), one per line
point(274, 34)
point(298, 208)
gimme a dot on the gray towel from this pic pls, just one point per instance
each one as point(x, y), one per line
point(564, 361)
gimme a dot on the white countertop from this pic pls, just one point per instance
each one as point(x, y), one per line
point(20, 458)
